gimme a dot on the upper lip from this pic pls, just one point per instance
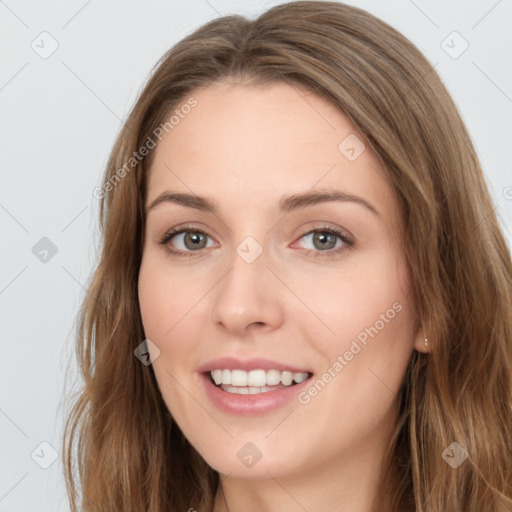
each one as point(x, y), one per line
point(231, 363)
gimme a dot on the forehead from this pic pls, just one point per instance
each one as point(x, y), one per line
point(250, 145)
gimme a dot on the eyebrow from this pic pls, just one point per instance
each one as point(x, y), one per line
point(287, 203)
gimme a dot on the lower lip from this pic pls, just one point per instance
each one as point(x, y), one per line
point(250, 405)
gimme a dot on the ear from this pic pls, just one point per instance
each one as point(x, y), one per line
point(419, 341)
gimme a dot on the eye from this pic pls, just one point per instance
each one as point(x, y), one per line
point(325, 241)
point(190, 239)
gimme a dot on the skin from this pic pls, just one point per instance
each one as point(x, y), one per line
point(245, 147)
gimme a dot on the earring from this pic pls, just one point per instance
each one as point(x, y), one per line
point(426, 342)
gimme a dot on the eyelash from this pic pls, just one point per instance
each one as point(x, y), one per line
point(348, 242)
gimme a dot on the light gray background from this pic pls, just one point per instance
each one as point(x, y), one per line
point(60, 116)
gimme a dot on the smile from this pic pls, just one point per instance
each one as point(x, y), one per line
point(247, 400)
point(255, 381)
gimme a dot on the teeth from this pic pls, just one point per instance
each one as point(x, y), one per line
point(226, 376)
point(247, 390)
point(217, 376)
point(300, 377)
point(273, 377)
point(286, 378)
point(238, 378)
point(256, 379)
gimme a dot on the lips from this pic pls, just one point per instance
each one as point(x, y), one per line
point(244, 399)
point(231, 363)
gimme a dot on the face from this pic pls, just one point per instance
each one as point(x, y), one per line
point(262, 286)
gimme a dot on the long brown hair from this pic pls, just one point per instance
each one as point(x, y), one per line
point(122, 448)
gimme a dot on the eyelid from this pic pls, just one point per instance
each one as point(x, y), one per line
point(326, 226)
point(171, 233)
point(348, 241)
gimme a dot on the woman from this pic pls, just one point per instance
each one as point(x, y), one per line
point(338, 334)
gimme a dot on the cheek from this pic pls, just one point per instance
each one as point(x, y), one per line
point(164, 298)
point(365, 335)
point(369, 291)
point(365, 360)
point(173, 315)
point(164, 302)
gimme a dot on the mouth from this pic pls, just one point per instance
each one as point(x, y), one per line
point(254, 382)
point(252, 387)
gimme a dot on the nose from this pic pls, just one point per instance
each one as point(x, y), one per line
point(248, 298)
